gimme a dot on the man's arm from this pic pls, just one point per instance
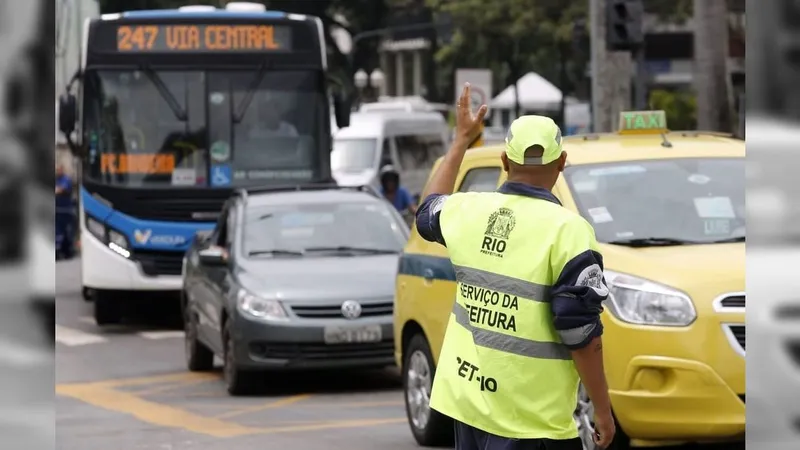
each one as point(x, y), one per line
point(576, 301)
point(409, 201)
point(467, 129)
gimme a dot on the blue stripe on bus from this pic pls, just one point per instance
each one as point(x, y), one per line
point(219, 14)
point(179, 235)
point(434, 267)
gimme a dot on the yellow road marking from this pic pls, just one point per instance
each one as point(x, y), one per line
point(358, 404)
point(273, 404)
point(151, 412)
point(169, 387)
point(338, 424)
point(108, 395)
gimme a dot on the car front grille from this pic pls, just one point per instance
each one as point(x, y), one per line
point(295, 351)
point(155, 262)
point(737, 336)
point(734, 301)
point(311, 311)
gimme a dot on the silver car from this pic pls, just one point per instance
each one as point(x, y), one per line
point(299, 278)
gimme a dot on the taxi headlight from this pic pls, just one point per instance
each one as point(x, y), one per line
point(260, 308)
point(642, 302)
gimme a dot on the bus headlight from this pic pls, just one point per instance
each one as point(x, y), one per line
point(260, 308)
point(642, 302)
point(115, 240)
point(97, 229)
point(118, 243)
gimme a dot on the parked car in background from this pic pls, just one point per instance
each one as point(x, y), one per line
point(293, 278)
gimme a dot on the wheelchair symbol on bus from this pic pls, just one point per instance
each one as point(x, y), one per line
point(221, 175)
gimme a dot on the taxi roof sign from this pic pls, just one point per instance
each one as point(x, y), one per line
point(643, 122)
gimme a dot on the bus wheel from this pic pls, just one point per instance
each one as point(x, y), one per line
point(107, 307)
point(430, 428)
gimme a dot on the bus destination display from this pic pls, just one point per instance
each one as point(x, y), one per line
point(203, 38)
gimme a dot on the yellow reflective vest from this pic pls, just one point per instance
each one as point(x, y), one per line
point(503, 368)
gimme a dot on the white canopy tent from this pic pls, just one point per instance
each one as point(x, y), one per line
point(536, 96)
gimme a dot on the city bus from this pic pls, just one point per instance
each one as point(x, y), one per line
point(173, 110)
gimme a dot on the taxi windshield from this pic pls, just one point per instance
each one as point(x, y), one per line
point(662, 202)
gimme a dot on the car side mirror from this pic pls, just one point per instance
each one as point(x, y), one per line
point(342, 107)
point(67, 113)
point(213, 256)
point(202, 236)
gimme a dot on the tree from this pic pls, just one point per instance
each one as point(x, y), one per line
point(512, 37)
point(712, 83)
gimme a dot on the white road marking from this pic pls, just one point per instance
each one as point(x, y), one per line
point(161, 334)
point(87, 319)
point(73, 338)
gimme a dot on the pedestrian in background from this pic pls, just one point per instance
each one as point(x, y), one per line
point(65, 213)
point(525, 329)
point(394, 192)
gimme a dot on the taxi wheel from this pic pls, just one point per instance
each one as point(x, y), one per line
point(237, 381)
point(107, 308)
point(584, 418)
point(199, 358)
point(430, 428)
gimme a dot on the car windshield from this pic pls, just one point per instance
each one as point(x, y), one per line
point(353, 155)
point(322, 227)
point(149, 128)
point(662, 202)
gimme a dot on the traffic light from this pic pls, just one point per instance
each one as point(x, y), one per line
point(624, 25)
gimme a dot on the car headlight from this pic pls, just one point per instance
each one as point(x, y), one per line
point(643, 302)
point(260, 308)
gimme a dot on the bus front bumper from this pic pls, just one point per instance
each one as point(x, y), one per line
point(102, 268)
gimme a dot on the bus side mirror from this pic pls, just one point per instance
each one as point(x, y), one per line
point(67, 113)
point(342, 107)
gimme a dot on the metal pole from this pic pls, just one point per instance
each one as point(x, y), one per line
point(641, 80)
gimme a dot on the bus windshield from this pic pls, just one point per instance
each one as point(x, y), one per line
point(202, 128)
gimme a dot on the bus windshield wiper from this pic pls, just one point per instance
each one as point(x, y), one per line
point(345, 248)
point(653, 242)
point(176, 108)
point(251, 92)
point(275, 252)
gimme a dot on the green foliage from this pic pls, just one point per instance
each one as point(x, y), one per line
point(677, 11)
point(680, 108)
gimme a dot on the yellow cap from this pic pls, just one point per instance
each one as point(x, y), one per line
point(527, 131)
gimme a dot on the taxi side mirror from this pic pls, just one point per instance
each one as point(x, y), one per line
point(342, 107)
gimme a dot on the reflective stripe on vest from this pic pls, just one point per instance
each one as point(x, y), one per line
point(502, 367)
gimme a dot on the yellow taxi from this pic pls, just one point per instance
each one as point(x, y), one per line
point(668, 210)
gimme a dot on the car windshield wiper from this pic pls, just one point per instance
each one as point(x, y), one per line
point(176, 108)
point(238, 115)
point(345, 248)
point(275, 252)
point(653, 242)
point(728, 240)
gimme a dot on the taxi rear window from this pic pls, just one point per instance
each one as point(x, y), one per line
point(482, 179)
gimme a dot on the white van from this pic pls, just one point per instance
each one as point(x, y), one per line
point(411, 141)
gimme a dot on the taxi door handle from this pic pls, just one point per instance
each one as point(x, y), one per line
point(428, 276)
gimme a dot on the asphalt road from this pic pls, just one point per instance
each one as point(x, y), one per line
point(127, 388)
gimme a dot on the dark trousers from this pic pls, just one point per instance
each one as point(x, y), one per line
point(65, 224)
point(471, 438)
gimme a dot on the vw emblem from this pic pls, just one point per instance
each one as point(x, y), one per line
point(351, 310)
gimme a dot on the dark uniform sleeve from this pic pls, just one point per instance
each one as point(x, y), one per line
point(428, 215)
point(580, 288)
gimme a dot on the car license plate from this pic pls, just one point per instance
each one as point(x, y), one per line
point(353, 335)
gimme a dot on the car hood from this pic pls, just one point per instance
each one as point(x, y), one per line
point(310, 279)
point(699, 270)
